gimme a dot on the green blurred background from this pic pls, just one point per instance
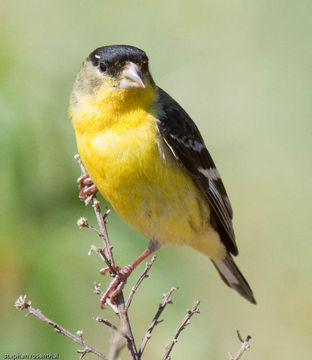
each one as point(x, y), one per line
point(242, 69)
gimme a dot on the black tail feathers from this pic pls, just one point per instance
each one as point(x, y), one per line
point(232, 276)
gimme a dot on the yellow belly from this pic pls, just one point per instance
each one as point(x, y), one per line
point(147, 186)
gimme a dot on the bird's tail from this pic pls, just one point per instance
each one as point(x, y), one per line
point(231, 275)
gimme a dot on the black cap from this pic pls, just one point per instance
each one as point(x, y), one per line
point(118, 53)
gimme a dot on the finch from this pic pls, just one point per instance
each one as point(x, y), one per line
point(147, 158)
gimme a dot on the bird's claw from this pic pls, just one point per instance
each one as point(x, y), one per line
point(117, 284)
point(86, 187)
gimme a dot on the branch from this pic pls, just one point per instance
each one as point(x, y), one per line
point(22, 304)
point(245, 347)
point(109, 324)
point(182, 326)
point(102, 232)
point(138, 283)
point(166, 300)
point(114, 349)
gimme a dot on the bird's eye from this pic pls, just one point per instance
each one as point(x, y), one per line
point(103, 67)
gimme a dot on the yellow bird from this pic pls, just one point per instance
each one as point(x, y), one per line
point(147, 158)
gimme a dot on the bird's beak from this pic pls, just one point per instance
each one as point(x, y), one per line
point(131, 76)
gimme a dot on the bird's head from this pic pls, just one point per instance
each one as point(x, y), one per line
point(115, 70)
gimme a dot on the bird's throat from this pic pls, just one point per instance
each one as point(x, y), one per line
point(109, 106)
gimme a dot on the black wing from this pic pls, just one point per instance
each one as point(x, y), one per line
point(183, 138)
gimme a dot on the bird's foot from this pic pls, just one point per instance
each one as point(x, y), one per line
point(86, 187)
point(117, 284)
point(119, 278)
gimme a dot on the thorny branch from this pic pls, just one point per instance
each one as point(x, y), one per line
point(120, 308)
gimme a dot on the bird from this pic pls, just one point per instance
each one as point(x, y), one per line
point(147, 158)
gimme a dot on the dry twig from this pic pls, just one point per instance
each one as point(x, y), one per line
point(109, 324)
point(21, 304)
point(114, 348)
point(165, 301)
point(182, 326)
point(140, 279)
point(245, 347)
